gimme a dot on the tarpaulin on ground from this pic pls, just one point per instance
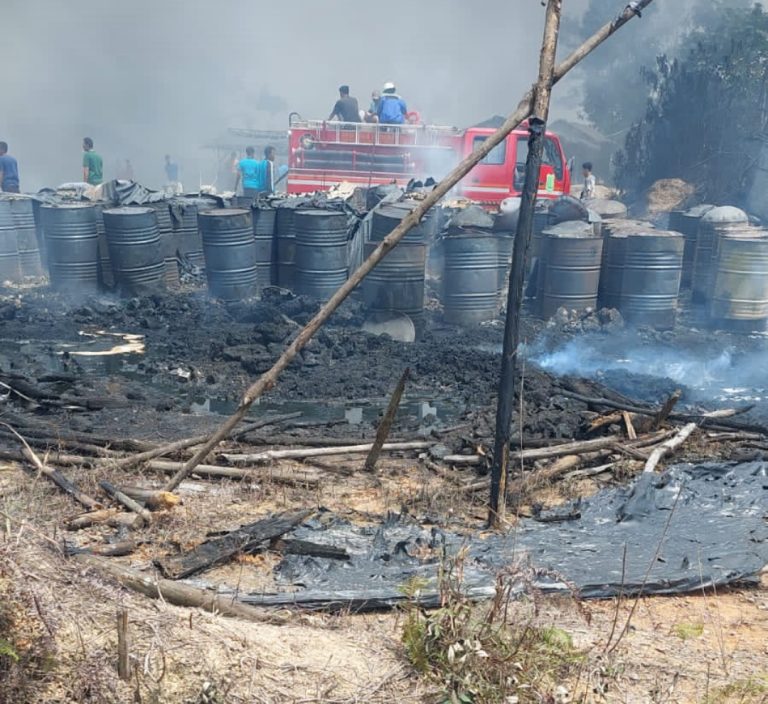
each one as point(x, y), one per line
point(697, 526)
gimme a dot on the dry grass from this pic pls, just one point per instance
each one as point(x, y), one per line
point(177, 653)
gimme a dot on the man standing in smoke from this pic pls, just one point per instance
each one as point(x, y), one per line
point(257, 176)
point(9, 171)
point(93, 168)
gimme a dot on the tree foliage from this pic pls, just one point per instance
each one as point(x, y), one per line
point(707, 115)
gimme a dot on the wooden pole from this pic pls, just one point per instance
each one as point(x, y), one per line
point(382, 432)
point(123, 646)
point(506, 395)
point(177, 593)
point(267, 380)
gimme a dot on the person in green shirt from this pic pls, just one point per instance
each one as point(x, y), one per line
point(92, 165)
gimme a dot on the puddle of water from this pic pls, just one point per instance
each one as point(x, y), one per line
point(98, 352)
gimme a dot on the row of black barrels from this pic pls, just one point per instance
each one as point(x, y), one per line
point(639, 269)
point(132, 248)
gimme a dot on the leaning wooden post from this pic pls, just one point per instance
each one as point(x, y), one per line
point(536, 131)
point(267, 380)
point(382, 431)
point(123, 646)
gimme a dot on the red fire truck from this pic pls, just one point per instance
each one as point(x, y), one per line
point(322, 154)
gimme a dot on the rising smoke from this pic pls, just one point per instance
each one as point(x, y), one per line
point(707, 370)
point(145, 78)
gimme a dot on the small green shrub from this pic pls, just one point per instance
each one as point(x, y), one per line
point(479, 653)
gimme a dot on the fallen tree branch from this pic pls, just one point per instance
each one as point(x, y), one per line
point(53, 474)
point(721, 416)
point(153, 499)
point(176, 593)
point(111, 516)
point(269, 455)
point(669, 446)
point(542, 453)
point(184, 444)
point(126, 501)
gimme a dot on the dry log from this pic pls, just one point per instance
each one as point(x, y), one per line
point(292, 477)
point(91, 518)
point(669, 446)
point(542, 453)
point(269, 455)
point(385, 426)
point(603, 420)
point(631, 434)
point(186, 443)
point(109, 516)
point(123, 646)
point(631, 452)
point(176, 593)
point(219, 550)
point(126, 501)
point(153, 499)
point(638, 501)
point(545, 475)
point(721, 417)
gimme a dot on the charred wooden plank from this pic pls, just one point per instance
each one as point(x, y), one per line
point(219, 550)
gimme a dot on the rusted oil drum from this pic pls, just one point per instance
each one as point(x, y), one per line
point(230, 253)
point(687, 223)
point(387, 217)
point(71, 241)
point(264, 223)
point(740, 297)
point(653, 264)
point(471, 278)
point(717, 222)
point(168, 242)
point(570, 268)
point(10, 269)
point(26, 236)
point(322, 261)
point(396, 284)
point(134, 248)
point(284, 272)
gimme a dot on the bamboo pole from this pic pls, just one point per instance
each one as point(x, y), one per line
point(506, 395)
point(267, 380)
point(386, 422)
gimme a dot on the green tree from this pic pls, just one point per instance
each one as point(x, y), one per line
point(707, 114)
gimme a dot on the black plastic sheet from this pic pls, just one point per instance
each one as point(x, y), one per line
point(693, 527)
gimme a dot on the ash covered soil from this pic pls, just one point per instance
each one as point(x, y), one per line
point(199, 355)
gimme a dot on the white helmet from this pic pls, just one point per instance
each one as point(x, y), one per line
point(389, 87)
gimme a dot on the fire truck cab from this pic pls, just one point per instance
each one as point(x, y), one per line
point(323, 154)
